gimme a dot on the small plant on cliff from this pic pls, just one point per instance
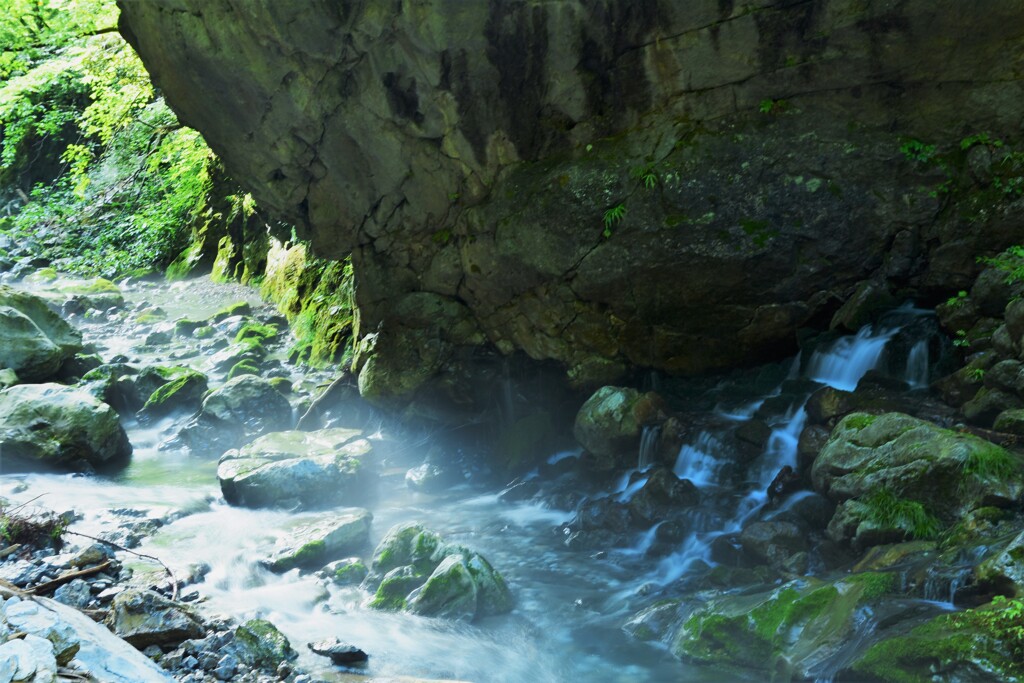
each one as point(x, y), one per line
point(958, 300)
point(646, 175)
point(915, 150)
point(888, 510)
point(1010, 262)
point(613, 216)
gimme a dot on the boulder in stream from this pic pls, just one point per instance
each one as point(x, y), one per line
point(312, 545)
point(896, 477)
point(415, 570)
point(608, 424)
point(59, 427)
point(797, 626)
point(243, 408)
point(299, 470)
point(34, 341)
point(143, 617)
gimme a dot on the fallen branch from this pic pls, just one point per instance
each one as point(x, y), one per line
point(10, 550)
point(174, 581)
point(70, 576)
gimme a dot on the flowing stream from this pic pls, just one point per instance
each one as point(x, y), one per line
point(570, 604)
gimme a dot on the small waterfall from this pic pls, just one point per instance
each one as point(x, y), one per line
point(696, 462)
point(917, 365)
point(648, 445)
point(849, 358)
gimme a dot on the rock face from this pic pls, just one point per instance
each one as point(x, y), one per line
point(313, 545)
point(53, 426)
point(607, 184)
point(34, 341)
point(243, 408)
point(298, 469)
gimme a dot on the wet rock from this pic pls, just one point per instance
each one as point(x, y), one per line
point(183, 393)
point(30, 659)
point(243, 408)
point(772, 542)
point(299, 469)
point(339, 653)
point(609, 422)
point(656, 622)
point(30, 617)
point(431, 477)
point(143, 617)
point(53, 426)
point(416, 570)
point(34, 341)
point(896, 475)
point(1010, 421)
point(987, 404)
point(802, 623)
point(869, 300)
point(1003, 572)
point(965, 646)
point(259, 644)
point(313, 545)
point(786, 481)
point(75, 594)
point(812, 439)
point(95, 553)
point(604, 514)
point(960, 386)
point(662, 496)
point(350, 571)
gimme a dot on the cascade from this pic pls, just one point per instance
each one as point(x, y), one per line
point(917, 365)
point(648, 445)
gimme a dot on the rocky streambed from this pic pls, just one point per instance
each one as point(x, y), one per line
point(231, 516)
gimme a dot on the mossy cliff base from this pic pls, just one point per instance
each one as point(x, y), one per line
point(609, 184)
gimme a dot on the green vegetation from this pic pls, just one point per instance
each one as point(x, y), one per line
point(989, 640)
point(612, 216)
point(990, 462)
point(1010, 262)
point(887, 510)
point(858, 421)
point(38, 531)
point(957, 301)
point(646, 175)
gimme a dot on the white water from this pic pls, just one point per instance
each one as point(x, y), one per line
point(917, 365)
point(849, 358)
point(697, 462)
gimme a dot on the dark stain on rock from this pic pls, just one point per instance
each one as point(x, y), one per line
point(725, 9)
point(517, 47)
point(789, 34)
point(402, 97)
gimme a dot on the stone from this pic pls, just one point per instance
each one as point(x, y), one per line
point(143, 617)
point(312, 545)
point(608, 424)
point(339, 653)
point(349, 571)
point(243, 408)
point(75, 594)
point(34, 341)
point(802, 623)
point(771, 542)
point(897, 476)
point(31, 659)
point(53, 426)
point(183, 393)
point(1010, 421)
point(662, 496)
point(987, 404)
point(260, 644)
point(31, 617)
point(414, 569)
point(299, 470)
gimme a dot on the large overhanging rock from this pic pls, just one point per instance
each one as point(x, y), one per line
point(677, 185)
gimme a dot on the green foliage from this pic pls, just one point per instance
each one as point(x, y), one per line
point(1010, 262)
point(980, 139)
point(129, 178)
point(768, 106)
point(887, 510)
point(957, 301)
point(39, 530)
point(961, 339)
point(915, 150)
point(645, 174)
point(612, 216)
point(976, 374)
point(990, 462)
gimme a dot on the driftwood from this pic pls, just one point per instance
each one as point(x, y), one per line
point(10, 550)
point(174, 580)
point(46, 587)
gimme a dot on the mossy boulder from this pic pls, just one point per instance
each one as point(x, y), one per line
point(313, 545)
point(143, 618)
point(897, 476)
point(183, 393)
point(414, 569)
point(345, 572)
point(59, 427)
point(261, 645)
point(983, 644)
point(243, 408)
point(608, 424)
point(303, 469)
point(792, 630)
point(34, 341)
point(243, 367)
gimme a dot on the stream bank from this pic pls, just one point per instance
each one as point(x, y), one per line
point(679, 519)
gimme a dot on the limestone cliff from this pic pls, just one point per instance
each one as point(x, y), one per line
point(607, 183)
